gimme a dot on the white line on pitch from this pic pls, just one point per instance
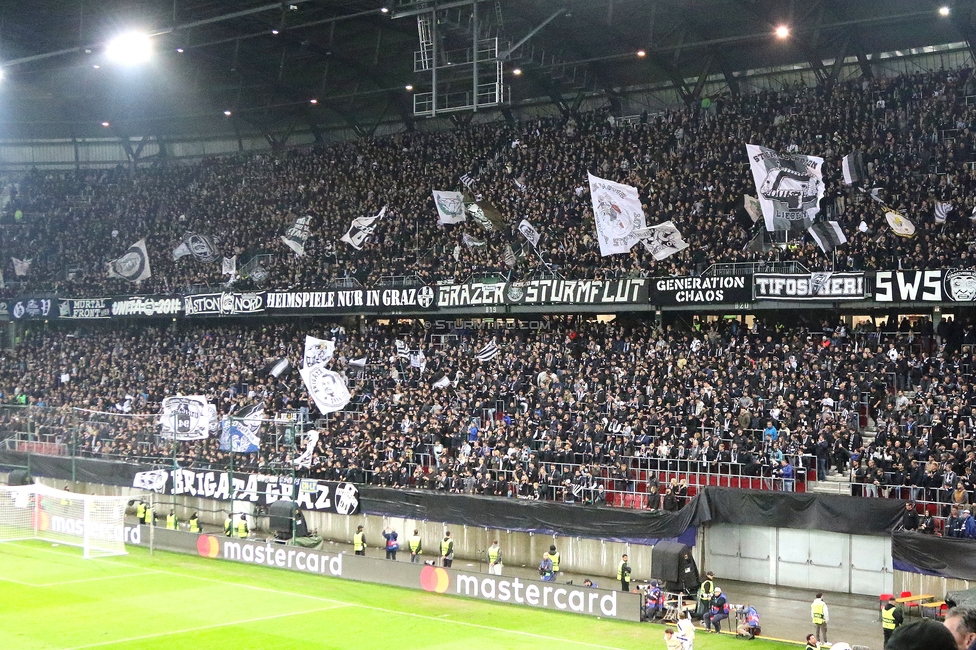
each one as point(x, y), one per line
point(342, 602)
point(203, 627)
point(72, 582)
point(18, 582)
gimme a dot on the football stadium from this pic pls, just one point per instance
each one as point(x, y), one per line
point(488, 324)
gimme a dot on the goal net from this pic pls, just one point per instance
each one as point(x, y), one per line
point(95, 523)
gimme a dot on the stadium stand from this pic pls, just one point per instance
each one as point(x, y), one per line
point(914, 130)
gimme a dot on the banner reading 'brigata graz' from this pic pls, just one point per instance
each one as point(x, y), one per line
point(933, 285)
point(545, 292)
point(809, 286)
point(262, 489)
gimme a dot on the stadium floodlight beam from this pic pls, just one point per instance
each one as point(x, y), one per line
point(783, 31)
point(944, 11)
point(227, 113)
point(129, 48)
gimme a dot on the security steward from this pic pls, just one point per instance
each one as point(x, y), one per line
point(359, 541)
point(416, 546)
point(242, 529)
point(891, 618)
point(447, 550)
point(150, 516)
point(495, 559)
point(623, 573)
point(141, 511)
point(554, 556)
point(228, 525)
point(172, 523)
point(705, 592)
point(194, 523)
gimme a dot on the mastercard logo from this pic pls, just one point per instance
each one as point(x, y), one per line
point(208, 546)
point(434, 579)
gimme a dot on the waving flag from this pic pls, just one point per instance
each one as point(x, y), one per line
point(618, 214)
point(361, 229)
point(450, 207)
point(828, 235)
point(297, 234)
point(790, 187)
point(488, 352)
point(240, 432)
point(133, 265)
point(529, 232)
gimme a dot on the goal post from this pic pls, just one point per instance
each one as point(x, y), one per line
point(94, 523)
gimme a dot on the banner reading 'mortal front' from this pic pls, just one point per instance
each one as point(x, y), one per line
point(809, 286)
point(545, 292)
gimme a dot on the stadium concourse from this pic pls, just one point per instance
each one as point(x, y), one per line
point(689, 165)
point(587, 412)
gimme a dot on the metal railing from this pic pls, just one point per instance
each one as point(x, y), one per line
point(750, 268)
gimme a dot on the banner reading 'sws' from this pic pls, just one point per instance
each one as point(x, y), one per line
point(262, 489)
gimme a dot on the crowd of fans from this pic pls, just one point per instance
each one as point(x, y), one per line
point(688, 163)
point(580, 411)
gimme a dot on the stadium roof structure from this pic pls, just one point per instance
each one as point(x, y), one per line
point(233, 66)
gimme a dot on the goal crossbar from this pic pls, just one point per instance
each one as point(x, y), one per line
point(94, 523)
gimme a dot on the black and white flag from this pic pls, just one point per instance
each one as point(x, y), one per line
point(828, 235)
point(488, 352)
point(790, 187)
point(402, 350)
point(942, 211)
point(440, 380)
point(361, 229)
point(853, 168)
point(529, 232)
point(201, 247)
point(277, 368)
point(133, 266)
point(21, 267)
point(327, 388)
point(229, 266)
point(186, 417)
point(508, 256)
point(297, 234)
point(486, 215)
point(618, 214)
point(305, 459)
point(317, 351)
point(241, 431)
point(418, 360)
point(752, 207)
point(450, 207)
point(662, 240)
point(467, 181)
point(471, 242)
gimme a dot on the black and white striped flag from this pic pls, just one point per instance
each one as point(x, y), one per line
point(488, 352)
point(942, 211)
point(402, 350)
point(853, 167)
point(508, 256)
point(828, 235)
point(467, 181)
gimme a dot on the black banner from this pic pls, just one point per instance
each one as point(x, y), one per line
point(85, 308)
point(147, 306)
point(262, 489)
point(545, 292)
point(32, 308)
point(702, 291)
point(937, 285)
point(227, 303)
point(937, 556)
point(809, 286)
point(388, 300)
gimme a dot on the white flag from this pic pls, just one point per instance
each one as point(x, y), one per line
point(326, 387)
point(450, 207)
point(618, 213)
point(529, 232)
point(305, 459)
point(488, 352)
point(663, 240)
point(133, 266)
point(852, 167)
point(471, 242)
point(790, 187)
point(900, 225)
point(317, 351)
point(229, 266)
point(201, 247)
point(186, 417)
point(361, 229)
point(21, 267)
point(443, 382)
point(942, 211)
point(402, 349)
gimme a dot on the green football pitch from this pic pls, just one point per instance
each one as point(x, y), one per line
point(50, 597)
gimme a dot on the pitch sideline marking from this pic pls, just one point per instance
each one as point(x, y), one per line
point(203, 627)
point(342, 602)
point(73, 582)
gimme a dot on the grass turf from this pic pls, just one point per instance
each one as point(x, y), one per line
point(50, 597)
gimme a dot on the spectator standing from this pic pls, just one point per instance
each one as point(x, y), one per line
point(821, 616)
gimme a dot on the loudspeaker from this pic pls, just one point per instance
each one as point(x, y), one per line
point(19, 477)
point(673, 564)
point(282, 513)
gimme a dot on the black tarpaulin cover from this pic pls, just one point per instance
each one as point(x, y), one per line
point(938, 556)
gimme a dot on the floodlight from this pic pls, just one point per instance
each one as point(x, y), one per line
point(409, 86)
point(179, 50)
point(106, 124)
point(944, 11)
point(313, 101)
point(783, 31)
point(385, 10)
point(274, 31)
point(130, 48)
point(227, 113)
point(517, 72)
point(641, 53)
